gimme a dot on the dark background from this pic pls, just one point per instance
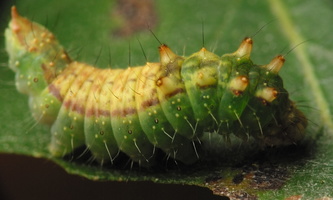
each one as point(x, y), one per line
point(23, 177)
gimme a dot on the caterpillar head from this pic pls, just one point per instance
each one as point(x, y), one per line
point(258, 104)
point(288, 130)
point(289, 123)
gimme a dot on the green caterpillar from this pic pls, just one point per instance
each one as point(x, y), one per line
point(167, 105)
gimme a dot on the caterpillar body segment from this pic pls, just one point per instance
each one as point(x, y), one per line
point(67, 131)
point(153, 119)
point(200, 75)
point(102, 142)
point(167, 105)
point(173, 96)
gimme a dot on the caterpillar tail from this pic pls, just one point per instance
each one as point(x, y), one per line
point(34, 54)
point(37, 58)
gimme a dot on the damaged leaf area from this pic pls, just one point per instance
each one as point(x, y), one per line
point(264, 171)
point(247, 181)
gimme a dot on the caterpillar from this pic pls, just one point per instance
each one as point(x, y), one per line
point(168, 105)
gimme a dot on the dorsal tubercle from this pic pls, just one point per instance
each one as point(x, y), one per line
point(276, 64)
point(245, 48)
point(166, 55)
point(15, 17)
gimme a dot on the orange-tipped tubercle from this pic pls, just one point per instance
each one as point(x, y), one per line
point(245, 48)
point(276, 64)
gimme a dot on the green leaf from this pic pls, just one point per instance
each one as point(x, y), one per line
point(87, 28)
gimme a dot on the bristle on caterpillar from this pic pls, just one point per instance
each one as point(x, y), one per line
point(167, 105)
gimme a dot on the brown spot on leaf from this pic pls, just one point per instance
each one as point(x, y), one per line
point(245, 182)
point(238, 178)
point(136, 16)
point(213, 178)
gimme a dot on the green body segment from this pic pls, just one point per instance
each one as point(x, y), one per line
point(129, 135)
point(47, 104)
point(200, 73)
point(234, 101)
point(68, 129)
point(98, 130)
point(154, 122)
point(173, 96)
point(166, 105)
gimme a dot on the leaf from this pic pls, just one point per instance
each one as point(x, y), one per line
point(86, 28)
